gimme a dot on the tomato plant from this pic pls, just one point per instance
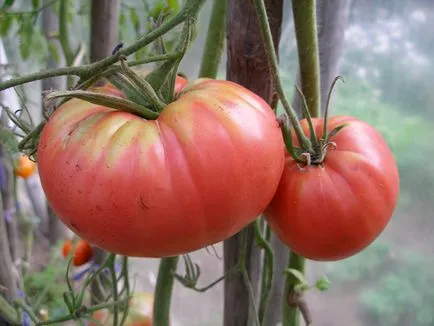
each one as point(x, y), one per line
point(24, 167)
point(139, 312)
point(204, 169)
point(333, 210)
point(82, 254)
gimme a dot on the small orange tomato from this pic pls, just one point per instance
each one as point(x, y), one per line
point(24, 167)
point(83, 251)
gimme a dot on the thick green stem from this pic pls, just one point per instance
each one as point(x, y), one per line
point(274, 69)
point(63, 32)
point(190, 9)
point(304, 13)
point(214, 40)
point(163, 291)
point(291, 316)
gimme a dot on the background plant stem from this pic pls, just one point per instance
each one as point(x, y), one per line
point(163, 291)
point(214, 40)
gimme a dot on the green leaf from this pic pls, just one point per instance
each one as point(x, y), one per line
point(134, 19)
point(26, 37)
point(5, 25)
point(35, 4)
point(7, 3)
point(173, 4)
point(9, 142)
point(323, 283)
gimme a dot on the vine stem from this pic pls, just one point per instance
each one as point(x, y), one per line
point(304, 13)
point(274, 69)
point(190, 8)
point(307, 43)
point(214, 40)
point(163, 291)
point(291, 316)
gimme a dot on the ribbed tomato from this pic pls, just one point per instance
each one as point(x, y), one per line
point(207, 167)
point(334, 210)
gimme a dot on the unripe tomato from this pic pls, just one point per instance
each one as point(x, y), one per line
point(334, 210)
point(24, 167)
point(82, 254)
point(206, 168)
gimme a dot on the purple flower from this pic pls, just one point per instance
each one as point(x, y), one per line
point(26, 319)
point(78, 276)
point(92, 269)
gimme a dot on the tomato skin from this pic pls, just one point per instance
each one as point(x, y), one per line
point(25, 167)
point(83, 251)
point(333, 211)
point(207, 167)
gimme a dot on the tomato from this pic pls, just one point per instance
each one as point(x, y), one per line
point(206, 168)
point(83, 251)
point(334, 210)
point(139, 312)
point(24, 167)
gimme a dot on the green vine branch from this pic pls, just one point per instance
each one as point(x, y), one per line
point(274, 67)
point(190, 9)
point(30, 12)
point(304, 14)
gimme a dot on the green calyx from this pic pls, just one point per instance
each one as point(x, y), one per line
point(313, 152)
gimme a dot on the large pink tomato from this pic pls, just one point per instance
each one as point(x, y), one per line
point(333, 210)
point(207, 167)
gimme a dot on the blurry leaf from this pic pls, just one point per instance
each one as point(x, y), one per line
point(134, 19)
point(7, 3)
point(5, 24)
point(25, 34)
point(35, 4)
point(9, 142)
point(52, 48)
point(122, 18)
point(173, 4)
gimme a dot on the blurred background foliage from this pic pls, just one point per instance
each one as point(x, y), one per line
point(389, 76)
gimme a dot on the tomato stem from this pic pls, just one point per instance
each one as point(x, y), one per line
point(291, 313)
point(106, 100)
point(214, 40)
point(163, 291)
point(268, 271)
point(274, 68)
